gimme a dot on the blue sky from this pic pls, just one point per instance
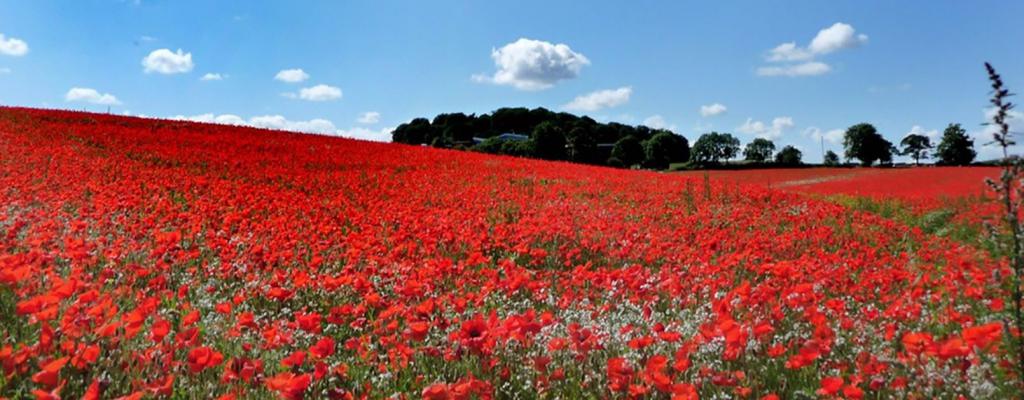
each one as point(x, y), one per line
point(371, 65)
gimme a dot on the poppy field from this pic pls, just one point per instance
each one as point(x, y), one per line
point(146, 258)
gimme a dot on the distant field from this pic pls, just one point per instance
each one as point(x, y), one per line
point(909, 183)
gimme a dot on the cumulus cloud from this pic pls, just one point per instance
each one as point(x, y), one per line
point(12, 46)
point(380, 135)
point(528, 64)
point(760, 129)
point(294, 75)
point(316, 125)
point(212, 76)
point(836, 37)
point(600, 99)
point(224, 119)
point(800, 60)
point(316, 93)
point(369, 117)
point(711, 110)
point(88, 95)
point(805, 69)
point(279, 122)
point(658, 122)
point(164, 61)
point(789, 52)
point(834, 136)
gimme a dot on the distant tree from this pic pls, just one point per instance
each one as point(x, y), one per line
point(548, 141)
point(863, 142)
point(831, 158)
point(441, 141)
point(518, 148)
point(490, 145)
point(665, 148)
point(955, 148)
point(714, 147)
point(916, 146)
point(759, 150)
point(515, 120)
point(417, 131)
point(581, 145)
point(628, 151)
point(789, 155)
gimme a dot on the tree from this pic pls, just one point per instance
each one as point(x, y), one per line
point(916, 146)
point(955, 148)
point(759, 150)
point(665, 148)
point(789, 155)
point(518, 148)
point(713, 147)
point(831, 159)
point(417, 131)
point(581, 146)
point(863, 142)
point(628, 151)
point(548, 141)
point(490, 145)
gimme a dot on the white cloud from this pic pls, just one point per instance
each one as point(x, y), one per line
point(316, 125)
point(836, 37)
point(801, 60)
point(164, 61)
point(294, 75)
point(600, 99)
point(88, 95)
point(316, 93)
point(918, 130)
point(711, 110)
point(369, 117)
point(12, 46)
point(789, 52)
point(760, 129)
point(834, 136)
point(658, 122)
point(4, 71)
point(528, 64)
point(212, 76)
point(380, 135)
point(278, 122)
point(983, 138)
point(805, 69)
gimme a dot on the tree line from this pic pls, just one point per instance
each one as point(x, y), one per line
point(545, 134)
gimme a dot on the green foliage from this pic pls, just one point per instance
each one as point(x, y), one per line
point(665, 148)
point(524, 148)
point(714, 147)
point(789, 155)
point(489, 145)
point(955, 148)
point(864, 143)
point(831, 159)
point(759, 150)
point(916, 146)
point(581, 145)
point(628, 151)
point(417, 131)
point(554, 135)
point(548, 141)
